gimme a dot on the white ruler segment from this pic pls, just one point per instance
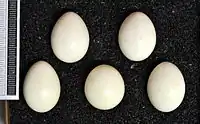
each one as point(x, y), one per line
point(3, 46)
point(9, 49)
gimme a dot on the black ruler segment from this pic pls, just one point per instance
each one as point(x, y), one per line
point(12, 47)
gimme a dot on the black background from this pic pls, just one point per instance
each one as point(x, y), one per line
point(178, 41)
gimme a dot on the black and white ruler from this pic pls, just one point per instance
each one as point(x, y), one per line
point(9, 49)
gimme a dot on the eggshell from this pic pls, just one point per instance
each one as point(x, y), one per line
point(70, 38)
point(166, 87)
point(41, 87)
point(104, 87)
point(137, 37)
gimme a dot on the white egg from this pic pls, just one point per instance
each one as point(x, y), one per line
point(104, 87)
point(166, 87)
point(70, 38)
point(41, 87)
point(137, 37)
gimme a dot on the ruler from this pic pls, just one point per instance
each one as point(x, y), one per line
point(9, 49)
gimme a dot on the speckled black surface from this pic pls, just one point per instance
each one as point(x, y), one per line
point(178, 41)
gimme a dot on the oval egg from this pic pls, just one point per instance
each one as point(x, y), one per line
point(104, 87)
point(166, 87)
point(137, 37)
point(70, 38)
point(41, 87)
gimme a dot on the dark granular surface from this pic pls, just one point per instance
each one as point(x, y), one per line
point(178, 41)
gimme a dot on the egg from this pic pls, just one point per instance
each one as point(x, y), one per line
point(70, 38)
point(166, 87)
point(41, 87)
point(137, 37)
point(104, 87)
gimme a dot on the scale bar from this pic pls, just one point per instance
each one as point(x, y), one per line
point(9, 49)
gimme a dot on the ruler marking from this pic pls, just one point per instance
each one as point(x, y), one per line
point(12, 33)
